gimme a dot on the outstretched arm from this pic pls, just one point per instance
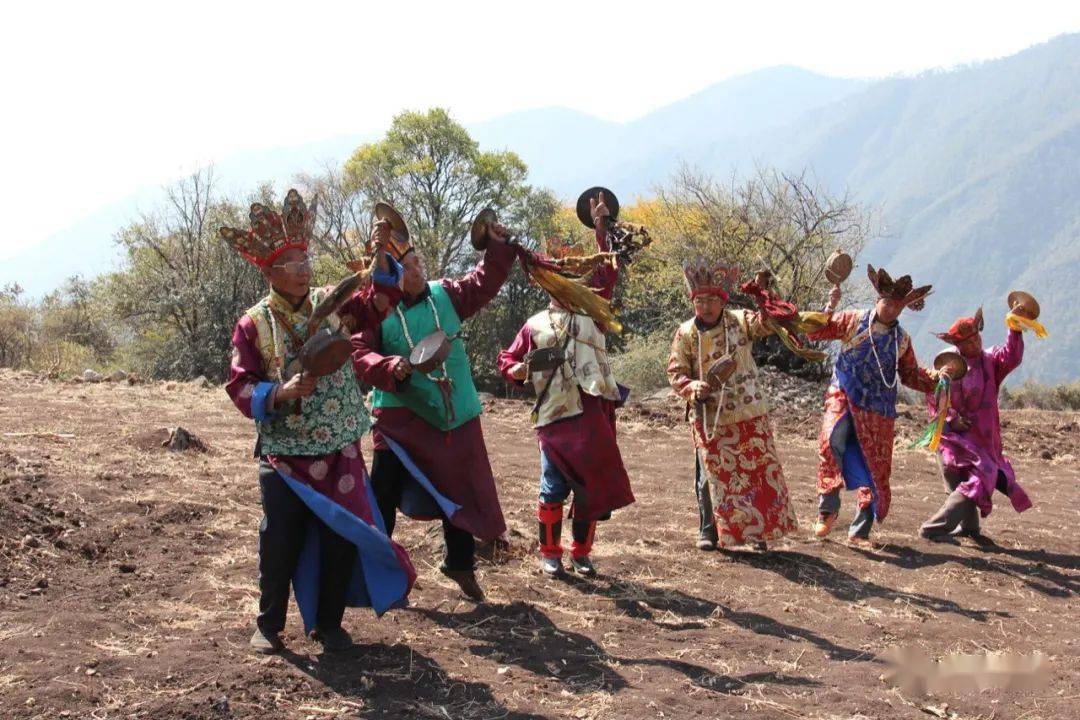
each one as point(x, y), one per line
point(912, 374)
point(841, 326)
point(472, 292)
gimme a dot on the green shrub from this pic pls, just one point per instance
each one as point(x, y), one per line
point(1031, 394)
point(642, 364)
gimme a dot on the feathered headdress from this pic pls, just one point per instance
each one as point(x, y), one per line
point(271, 233)
point(703, 278)
point(899, 289)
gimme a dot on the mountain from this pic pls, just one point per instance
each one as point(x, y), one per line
point(569, 151)
point(974, 170)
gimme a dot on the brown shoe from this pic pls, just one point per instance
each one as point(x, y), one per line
point(332, 640)
point(266, 643)
point(861, 542)
point(824, 524)
point(466, 580)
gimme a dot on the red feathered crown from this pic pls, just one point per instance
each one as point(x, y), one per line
point(704, 278)
point(899, 289)
point(963, 329)
point(271, 233)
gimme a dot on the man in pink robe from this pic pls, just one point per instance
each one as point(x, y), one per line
point(971, 459)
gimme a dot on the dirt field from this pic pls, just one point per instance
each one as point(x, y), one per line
point(128, 585)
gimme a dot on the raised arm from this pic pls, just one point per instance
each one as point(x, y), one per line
point(515, 354)
point(369, 306)
point(604, 279)
point(1008, 357)
point(472, 292)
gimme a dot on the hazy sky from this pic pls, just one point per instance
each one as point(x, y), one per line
point(106, 97)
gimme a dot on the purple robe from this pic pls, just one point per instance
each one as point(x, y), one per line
point(976, 452)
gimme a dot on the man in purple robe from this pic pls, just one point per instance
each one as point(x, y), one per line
point(971, 459)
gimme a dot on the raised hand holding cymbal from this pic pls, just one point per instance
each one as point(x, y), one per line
point(598, 207)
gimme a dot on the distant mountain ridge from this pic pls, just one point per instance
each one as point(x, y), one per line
point(975, 171)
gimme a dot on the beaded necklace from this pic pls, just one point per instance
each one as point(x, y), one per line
point(873, 349)
point(408, 335)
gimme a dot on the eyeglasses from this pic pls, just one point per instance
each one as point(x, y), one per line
point(295, 266)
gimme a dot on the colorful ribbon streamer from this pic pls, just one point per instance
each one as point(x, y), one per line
point(1021, 323)
point(931, 436)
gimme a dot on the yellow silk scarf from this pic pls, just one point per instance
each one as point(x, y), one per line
point(1021, 323)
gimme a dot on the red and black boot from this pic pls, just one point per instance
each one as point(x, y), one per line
point(584, 531)
point(550, 517)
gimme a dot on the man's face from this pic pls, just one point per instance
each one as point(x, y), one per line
point(412, 278)
point(971, 347)
point(888, 310)
point(707, 308)
point(290, 273)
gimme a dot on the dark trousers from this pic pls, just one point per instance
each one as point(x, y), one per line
point(281, 538)
point(388, 479)
point(959, 512)
point(706, 516)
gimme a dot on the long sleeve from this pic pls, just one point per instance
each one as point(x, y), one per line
point(680, 367)
point(248, 386)
point(912, 375)
point(1008, 357)
point(841, 326)
point(372, 367)
point(369, 306)
point(753, 324)
point(472, 292)
point(511, 356)
point(604, 279)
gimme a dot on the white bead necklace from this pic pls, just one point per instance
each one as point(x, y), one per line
point(873, 349)
point(408, 335)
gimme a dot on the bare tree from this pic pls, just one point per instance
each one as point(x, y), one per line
point(183, 279)
point(343, 221)
point(775, 221)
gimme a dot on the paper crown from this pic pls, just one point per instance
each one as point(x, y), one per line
point(272, 233)
point(899, 289)
point(964, 329)
point(704, 278)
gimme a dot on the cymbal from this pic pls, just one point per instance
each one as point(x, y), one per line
point(478, 231)
point(1024, 305)
point(584, 211)
point(954, 361)
point(385, 211)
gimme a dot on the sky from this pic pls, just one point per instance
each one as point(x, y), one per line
point(105, 98)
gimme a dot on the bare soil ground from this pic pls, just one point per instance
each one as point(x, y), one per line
point(128, 584)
